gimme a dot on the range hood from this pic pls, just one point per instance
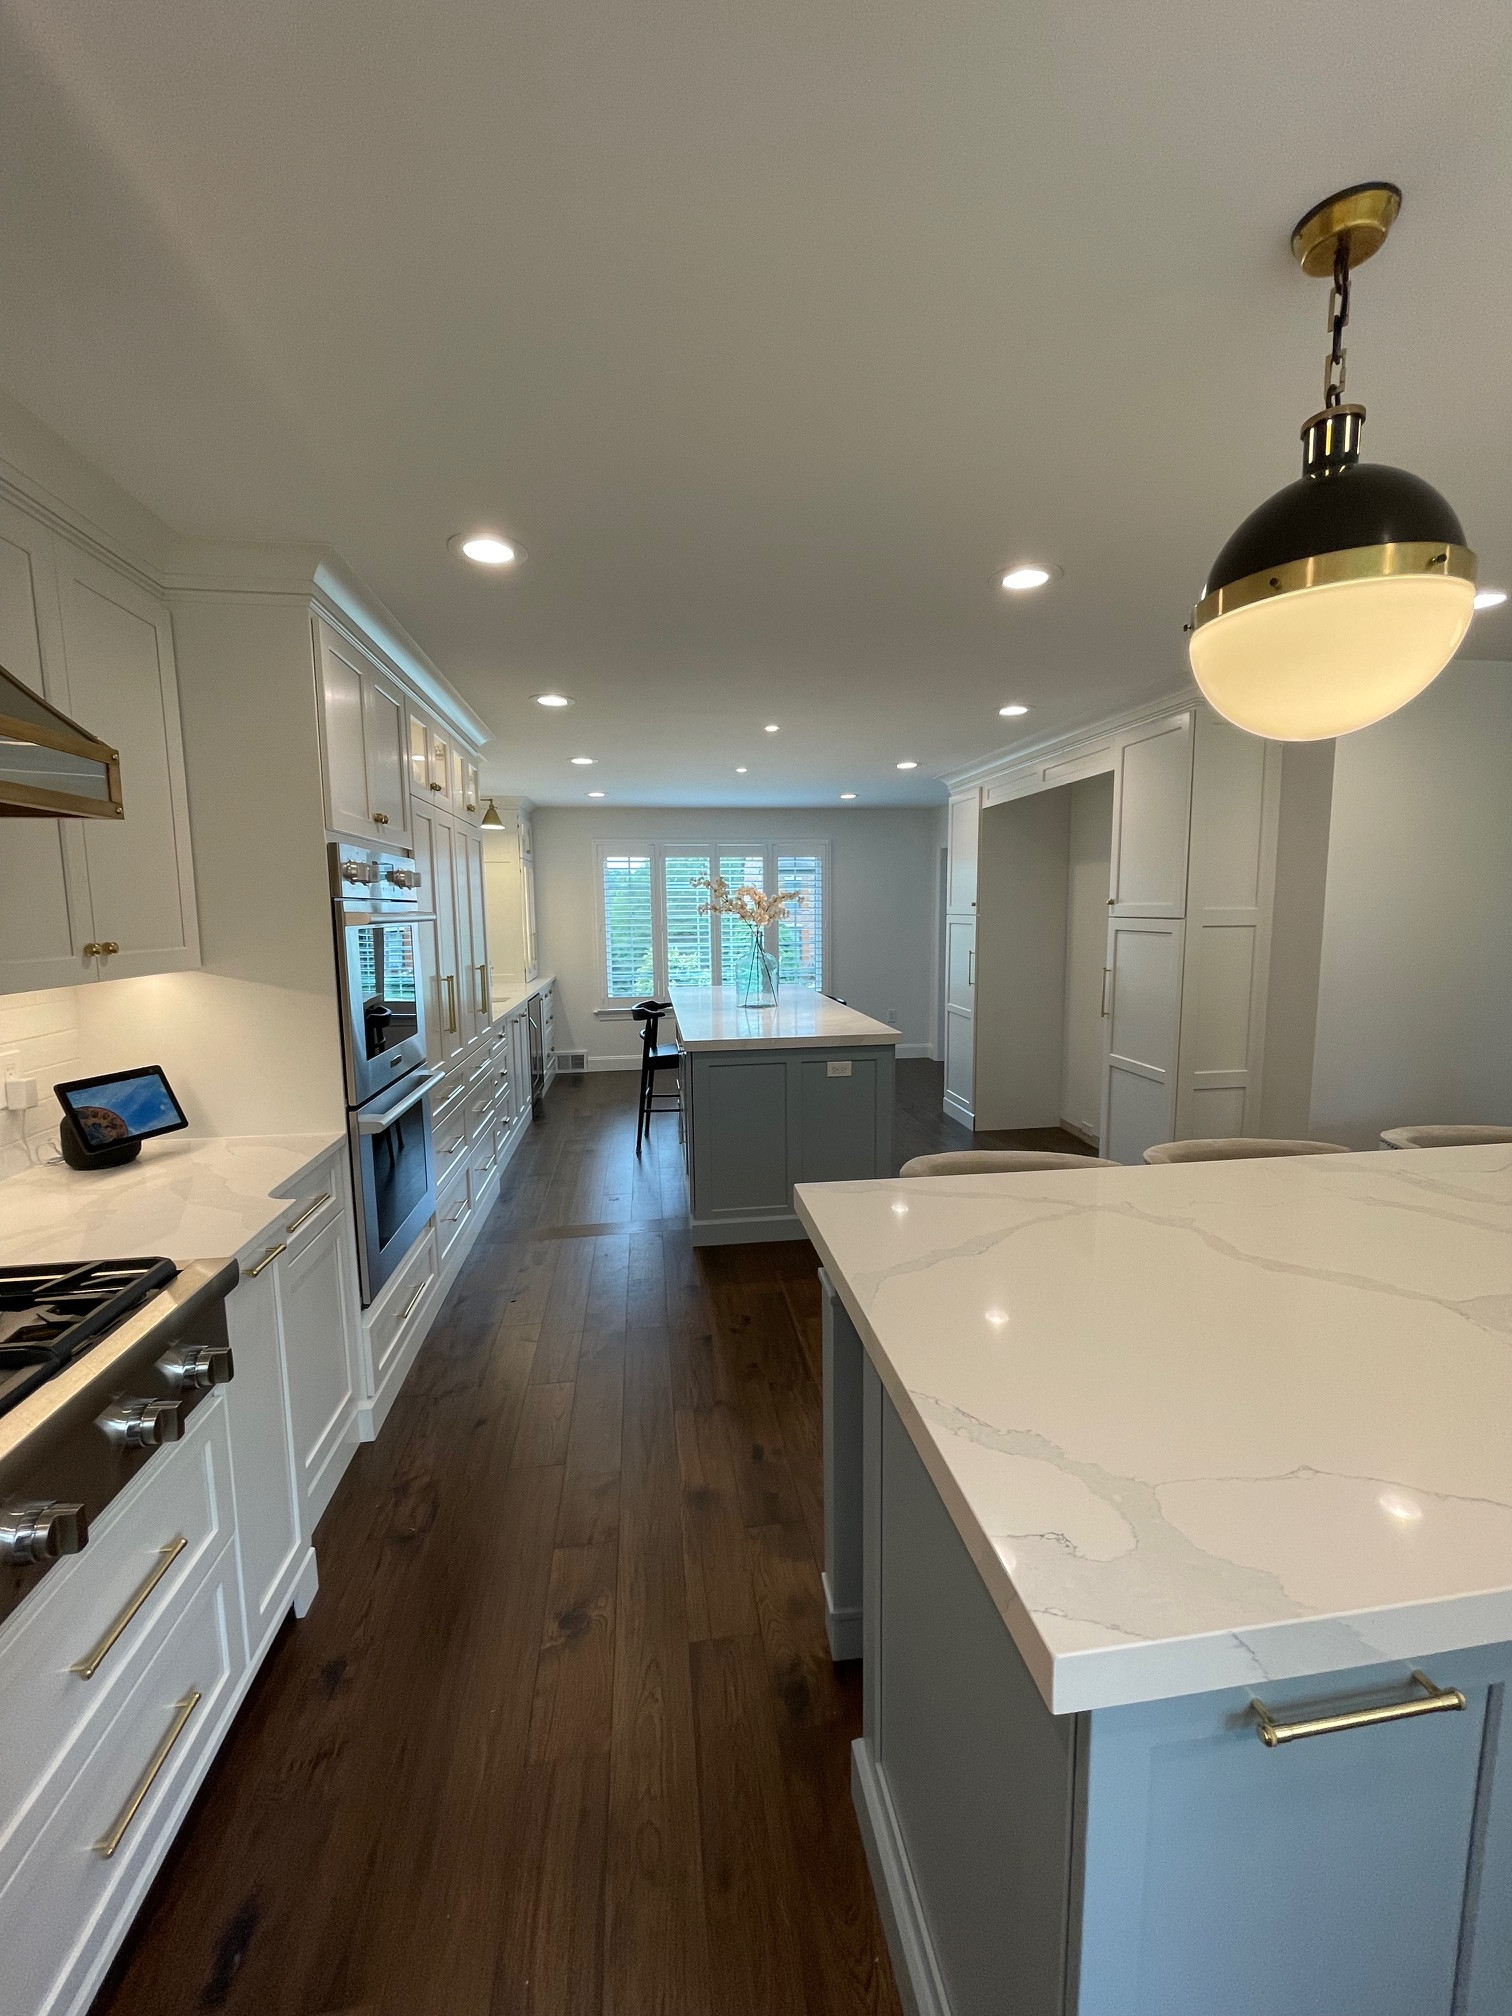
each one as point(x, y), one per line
point(50, 767)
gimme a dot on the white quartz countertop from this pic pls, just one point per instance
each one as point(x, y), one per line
point(505, 995)
point(186, 1199)
point(1204, 1426)
point(711, 1018)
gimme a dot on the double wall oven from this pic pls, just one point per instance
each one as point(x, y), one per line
point(388, 1083)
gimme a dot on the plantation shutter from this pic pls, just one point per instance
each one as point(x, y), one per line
point(629, 963)
point(690, 949)
point(739, 871)
point(801, 938)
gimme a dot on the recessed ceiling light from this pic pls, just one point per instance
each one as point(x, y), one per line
point(771, 727)
point(847, 794)
point(1490, 598)
point(1030, 575)
point(740, 769)
point(595, 794)
point(909, 765)
point(485, 549)
point(1012, 711)
point(582, 762)
point(552, 700)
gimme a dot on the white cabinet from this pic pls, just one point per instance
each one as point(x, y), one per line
point(470, 849)
point(1152, 801)
point(318, 1317)
point(96, 644)
point(365, 734)
point(264, 1480)
point(961, 879)
point(1142, 1000)
point(959, 1034)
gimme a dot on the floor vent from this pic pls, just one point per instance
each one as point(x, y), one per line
point(572, 1060)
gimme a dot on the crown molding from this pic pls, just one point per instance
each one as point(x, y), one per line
point(1067, 742)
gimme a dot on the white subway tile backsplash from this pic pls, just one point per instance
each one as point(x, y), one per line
point(39, 1038)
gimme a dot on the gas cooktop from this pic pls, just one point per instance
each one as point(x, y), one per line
point(50, 1316)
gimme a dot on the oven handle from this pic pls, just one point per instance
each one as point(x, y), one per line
point(379, 1123)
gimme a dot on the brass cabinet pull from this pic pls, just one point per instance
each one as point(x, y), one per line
point(451, 1004)
point(1430, 1701)
point(267, 1259)
point(483, 988)
point(182, 1710)
point(1107, 976)
point(90, 1664)
point(380, 818)
point(409, 1308)
point(99, 948)
point(307, 1214)
point(437, 787)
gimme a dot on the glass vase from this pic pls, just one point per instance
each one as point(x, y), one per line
point(758, 986)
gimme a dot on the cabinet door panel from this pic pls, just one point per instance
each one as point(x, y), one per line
point(960, 966)
point(472, 848)
point(1144, 1007)
point(961, 880)
point(341, 675)
point(385, 739)
point(320, 1350)
point(44, 899)
point(262, 1455)
point(119, 647)
point(1151, 818)
point(451, 1001)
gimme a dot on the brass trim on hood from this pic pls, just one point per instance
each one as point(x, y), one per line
point(29, 720)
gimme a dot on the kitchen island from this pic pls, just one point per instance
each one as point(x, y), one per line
point(1129, 1473)
point(798, 1093)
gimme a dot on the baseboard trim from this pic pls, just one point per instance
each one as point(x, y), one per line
point(841, 1627)
point(958, 1110)
point(1088, 1134)
point(914, 1965)
point(915, 1050)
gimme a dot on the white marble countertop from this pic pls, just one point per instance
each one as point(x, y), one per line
point(505, 995)
point(1206, 1425)
point(711, 1018)
point(183, 1198)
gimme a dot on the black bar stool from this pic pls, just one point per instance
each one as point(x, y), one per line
point(655, 1057)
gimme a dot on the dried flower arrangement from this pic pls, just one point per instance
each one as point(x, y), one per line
point(751, 906)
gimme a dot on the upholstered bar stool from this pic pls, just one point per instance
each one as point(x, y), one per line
point(997, 1161)
point(1444, 1136)
point(655, 1057)
point(1237, 1148)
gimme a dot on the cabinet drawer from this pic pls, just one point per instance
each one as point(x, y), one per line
point(453, 1209)
point(147, 1544)
point(318, 1203)
point(480, 1114)
point(451, 1143)
point(67, 1893)
point(402, 1305)
point(485, 1159)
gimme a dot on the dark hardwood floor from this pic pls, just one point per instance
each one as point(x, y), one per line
point(561, 1733)
point(921, 1127)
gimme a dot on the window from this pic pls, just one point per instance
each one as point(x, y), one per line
point(655, 937)
point(628, 961)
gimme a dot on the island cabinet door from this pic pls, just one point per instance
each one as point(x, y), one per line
point(1339, 1875)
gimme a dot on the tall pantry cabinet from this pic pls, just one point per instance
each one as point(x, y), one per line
point(1195, 803)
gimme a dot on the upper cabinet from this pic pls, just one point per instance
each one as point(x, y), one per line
point(1152, 809)
point(365, 727)
point(95, 899)
point(443, 772)
point(961, 877)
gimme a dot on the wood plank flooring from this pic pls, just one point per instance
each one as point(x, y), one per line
point(560, 1735)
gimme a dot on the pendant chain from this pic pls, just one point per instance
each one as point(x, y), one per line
point(1338, 322)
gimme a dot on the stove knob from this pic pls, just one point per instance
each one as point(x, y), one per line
point(142, 1424)
point(200, 1367)
point(40, 1530)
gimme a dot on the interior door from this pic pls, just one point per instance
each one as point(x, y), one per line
point(960, 1017)
point(118, 645)
point(385, 741)
point(44, 896)
point(1142, 1004)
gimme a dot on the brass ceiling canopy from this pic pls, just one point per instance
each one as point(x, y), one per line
point(1357, 218)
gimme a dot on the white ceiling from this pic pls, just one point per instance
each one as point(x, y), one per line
point(772, 332)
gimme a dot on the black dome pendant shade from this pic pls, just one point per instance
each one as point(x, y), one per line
point(1369, 561)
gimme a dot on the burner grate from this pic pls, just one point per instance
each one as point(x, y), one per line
point(49, 1315)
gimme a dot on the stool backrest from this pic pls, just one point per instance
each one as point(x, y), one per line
point(997, 1161)
point(649, 1014)
point(1237, 1148)
point(1441, 1134)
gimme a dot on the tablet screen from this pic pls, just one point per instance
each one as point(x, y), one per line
point(128, 1107)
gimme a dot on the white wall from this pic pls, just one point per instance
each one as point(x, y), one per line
point(1091, 850)
point(883, 899)
point(1415, 992)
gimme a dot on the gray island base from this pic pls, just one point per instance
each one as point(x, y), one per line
point(772, 1097)
point(1090, 1540)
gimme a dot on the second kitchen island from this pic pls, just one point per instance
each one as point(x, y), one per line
point(799, 1093)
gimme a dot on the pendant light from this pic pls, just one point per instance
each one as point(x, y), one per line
point(490, 815)
point(1350, 590)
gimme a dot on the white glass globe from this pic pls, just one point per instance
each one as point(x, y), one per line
point(1324, 661)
